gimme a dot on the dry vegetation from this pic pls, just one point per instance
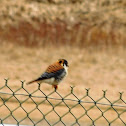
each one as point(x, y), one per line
point(85, 23)
point(90, 35)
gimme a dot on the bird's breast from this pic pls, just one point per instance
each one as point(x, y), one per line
point(49, 81)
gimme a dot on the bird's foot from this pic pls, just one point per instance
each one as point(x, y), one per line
point(55, 87)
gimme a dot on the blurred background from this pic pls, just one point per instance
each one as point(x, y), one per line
point(90, 34)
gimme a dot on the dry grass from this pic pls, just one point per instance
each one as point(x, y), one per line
point(89, 23)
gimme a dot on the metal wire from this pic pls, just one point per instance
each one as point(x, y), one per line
point(54, 109)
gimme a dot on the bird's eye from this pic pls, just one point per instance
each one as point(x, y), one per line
point(60, 61)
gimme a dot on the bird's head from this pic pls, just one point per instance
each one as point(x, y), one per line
point(63, 62)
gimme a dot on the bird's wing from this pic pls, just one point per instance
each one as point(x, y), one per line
point(52, 71)
point(47, 75)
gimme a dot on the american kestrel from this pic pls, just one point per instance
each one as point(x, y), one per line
point(54, 74)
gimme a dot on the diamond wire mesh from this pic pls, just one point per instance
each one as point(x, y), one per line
point(22, 107)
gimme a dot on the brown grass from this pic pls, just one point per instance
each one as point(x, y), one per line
point(83, 24)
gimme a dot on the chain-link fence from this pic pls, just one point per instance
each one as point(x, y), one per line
point(21, 106)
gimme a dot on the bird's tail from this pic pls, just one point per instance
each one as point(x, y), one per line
point(36, 80)
point(30, 82)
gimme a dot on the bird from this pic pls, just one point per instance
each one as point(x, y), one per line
point(54, 74)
